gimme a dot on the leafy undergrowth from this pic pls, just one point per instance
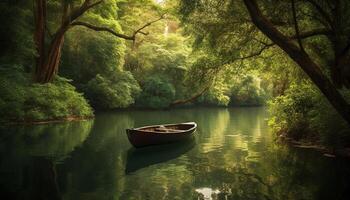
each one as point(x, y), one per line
point(303, 114)
point(24, 101)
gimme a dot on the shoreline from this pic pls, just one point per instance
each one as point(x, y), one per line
point(326, 151)
point(74, 118)
point(49, 121)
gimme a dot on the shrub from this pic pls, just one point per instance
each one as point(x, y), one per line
point(117, 90)
point(22, 100)
point(156, 93)
point(303, 113)
point(217, 95)
point(246, 91)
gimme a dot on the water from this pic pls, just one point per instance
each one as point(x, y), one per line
point(233, 156)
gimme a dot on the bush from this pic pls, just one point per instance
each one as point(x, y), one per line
point(156, 93)
point(243, 90)
point(217, 95)
point(246, 91)
point(303, 113)
point(114, 91)
point(22, 100)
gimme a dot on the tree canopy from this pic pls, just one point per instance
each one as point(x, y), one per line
point(113, 54)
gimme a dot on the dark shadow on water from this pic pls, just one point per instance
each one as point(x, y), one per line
point(144, 157)
point(37, 182)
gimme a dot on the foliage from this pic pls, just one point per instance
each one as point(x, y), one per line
point(17, 46)
point(247, 91)
point(224, 30)
point(216, 95)
point(167, 57)
point(114, 91)
point(87, 53)
point(21, 100)
point(164, 52)
point(302, 113)
point(236, 89)
point(48, 140)
point(157, 93)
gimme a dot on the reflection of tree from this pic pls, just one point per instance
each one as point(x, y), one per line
point(28, 155)
point(231, 168)
point(234, 136)
point(212, 125)
point(174, 178)
point(39, 181)
point(94, 171)
point(236, 182)
point(52, 140)
point(300, 174)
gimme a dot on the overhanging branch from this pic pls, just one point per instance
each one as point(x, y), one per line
point(307, 34)
point(258, 53)
point(126, 37)
point(321, 11)
point(296, 26)
point(312, 33)
point(190, 99)
point(97, 28)
point(148, 24)
point(81, 10)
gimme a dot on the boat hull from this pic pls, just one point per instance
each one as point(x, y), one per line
point(140, 138)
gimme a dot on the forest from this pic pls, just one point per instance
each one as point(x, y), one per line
point(68, 59)
point(253, 74)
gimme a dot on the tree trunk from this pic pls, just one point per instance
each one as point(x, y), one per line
point(301, 58)
point(49, 68)
point(48, 59)
point(39, 12)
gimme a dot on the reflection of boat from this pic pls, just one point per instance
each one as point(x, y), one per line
point(141, 158)
point(160, 134)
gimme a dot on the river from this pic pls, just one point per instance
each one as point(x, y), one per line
point(234, 155)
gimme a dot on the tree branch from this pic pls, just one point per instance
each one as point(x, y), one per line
point(322, 12)
point(194, 97)
point(97, 28)
point(316, 32)
point(92, 5)
point(81, 10)
point(105, 29)
point(311, 68)
point(139, 30)
point(312, 33)
point(296, 26)
point(258, 53)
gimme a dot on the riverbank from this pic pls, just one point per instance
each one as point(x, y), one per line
point(131, 109)
point(316, 146)
point(49, 121)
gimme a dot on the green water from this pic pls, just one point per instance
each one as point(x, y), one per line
point(233, 156)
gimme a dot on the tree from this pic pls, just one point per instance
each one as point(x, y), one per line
point(49, 52)
point(321, 50)
point(300, 56)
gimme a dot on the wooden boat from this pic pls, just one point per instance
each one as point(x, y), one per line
point(160, 134)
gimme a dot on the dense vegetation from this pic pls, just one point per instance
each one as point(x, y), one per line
point(60, 59)
point(128, 63)
point(22, 100)
point(300, 49)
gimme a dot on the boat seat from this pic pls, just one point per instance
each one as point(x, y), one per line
point(163, 129)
